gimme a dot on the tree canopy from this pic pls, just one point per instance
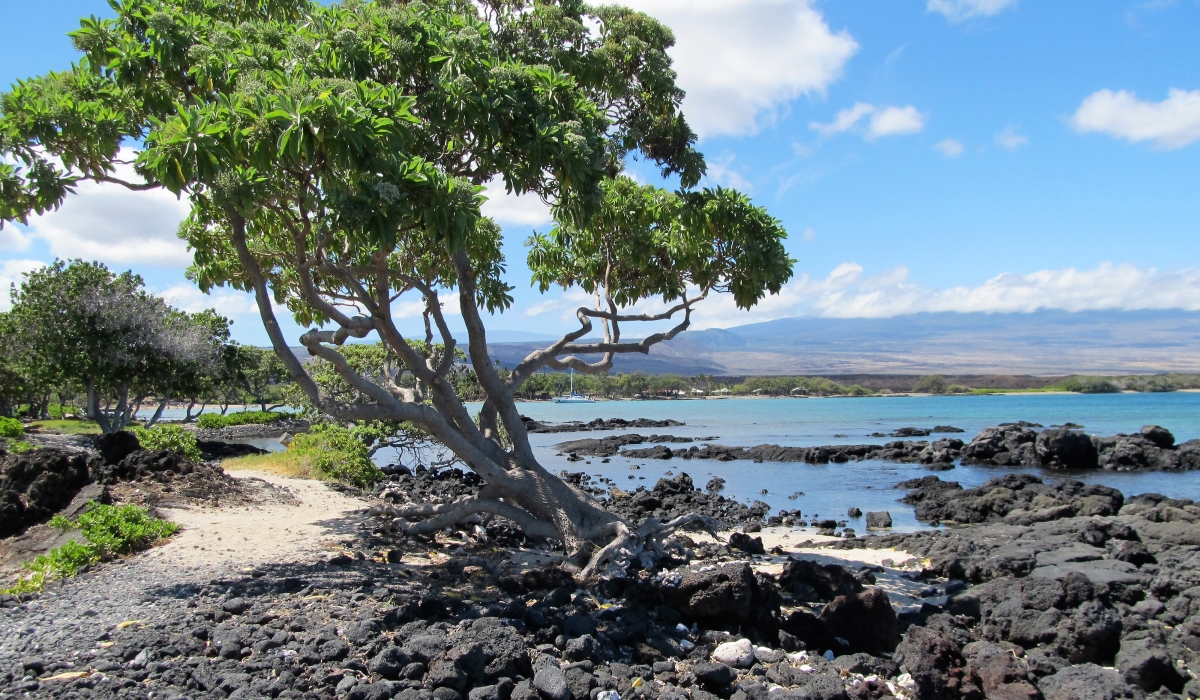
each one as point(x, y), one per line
point(334, 157)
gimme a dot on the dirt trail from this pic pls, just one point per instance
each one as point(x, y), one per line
point(318, 521)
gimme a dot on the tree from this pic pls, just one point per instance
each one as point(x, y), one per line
point(334, 158)
point(80, 322)
point(258, 371)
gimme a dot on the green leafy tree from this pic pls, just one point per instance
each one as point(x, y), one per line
point(261, 374)
point(80, 322)
point(334, 157)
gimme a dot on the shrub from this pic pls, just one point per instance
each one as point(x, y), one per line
point(11, 428)
point(110, 531)
point(336, 453)
point(122, 530)
point(169, 437)
point(216, 421)
point(931, 384)
point(1088, 385)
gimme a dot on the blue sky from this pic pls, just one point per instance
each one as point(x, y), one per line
point(925, 155)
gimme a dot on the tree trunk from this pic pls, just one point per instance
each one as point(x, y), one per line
point(92, 402)
point(162, 404)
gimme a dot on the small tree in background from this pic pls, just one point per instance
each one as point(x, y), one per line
point(80, 322)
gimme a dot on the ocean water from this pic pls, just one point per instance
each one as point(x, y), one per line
point(831, 490)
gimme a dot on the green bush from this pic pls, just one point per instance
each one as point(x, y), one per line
point(216, 421)
point(337, 453)
point(110, 531)
point(11, 428)
point(122, 530)
point(169, 437)
point(1088, 385)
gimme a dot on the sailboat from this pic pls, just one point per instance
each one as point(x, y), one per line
point(573, 397)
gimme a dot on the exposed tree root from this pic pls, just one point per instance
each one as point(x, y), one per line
point(625, 542)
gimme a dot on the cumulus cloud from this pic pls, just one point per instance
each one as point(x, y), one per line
point(961, 10)
point(722, 172)
point(951, 148)
point(13, 238)
point(230, 303)
point(1010, 139)
point(1172, 123)
point(846, 292)
point(740, 61)
point(12, 272)
point(895, 121)
point(883, 121)
point(521, 210)
point(112, 224)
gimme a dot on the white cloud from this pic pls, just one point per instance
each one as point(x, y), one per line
point(884, 121)
point(11, 272)
point(844, 120)
point(895, 121)
point(809, 234)
point(720, 171)
point(13, 238)
point(847, 293)
point(228, 302)
point(1010, 139)
point(115, 225)
point(960, 10)
point(521, 210)
point(951, 148)
point(1172, 123)
point(740, 61)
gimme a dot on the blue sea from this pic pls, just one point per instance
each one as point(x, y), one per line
point(830, 490)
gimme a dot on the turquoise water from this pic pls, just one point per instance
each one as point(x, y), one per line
point(830, 490)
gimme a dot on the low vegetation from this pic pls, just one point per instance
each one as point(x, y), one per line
point(327, 453)
point(67, 426)
point(216, 421)
point(169, 437)
point(11, 428)
point(109, 531)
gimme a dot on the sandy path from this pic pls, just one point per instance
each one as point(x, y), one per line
point(320, 520)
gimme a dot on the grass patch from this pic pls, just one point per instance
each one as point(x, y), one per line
point(110, 531)
point(286, 463)
point(18, 446)
point(67, 427)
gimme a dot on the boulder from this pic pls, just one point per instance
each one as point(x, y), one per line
point(934, 662)
point(115, 447)
point(1088, 682)
point(827, 580)
point(878, 520)
point(1148, 666)
point(1066, 449)
point(866, 620)
point(551, 684)
point(1158, 435)
point(36, 485)
point(746, 543)
point(724, 594)
point(739, 654)
point(714, 675)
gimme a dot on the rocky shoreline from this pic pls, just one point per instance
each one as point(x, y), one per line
point(1052, 591)
point(1006, 445)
